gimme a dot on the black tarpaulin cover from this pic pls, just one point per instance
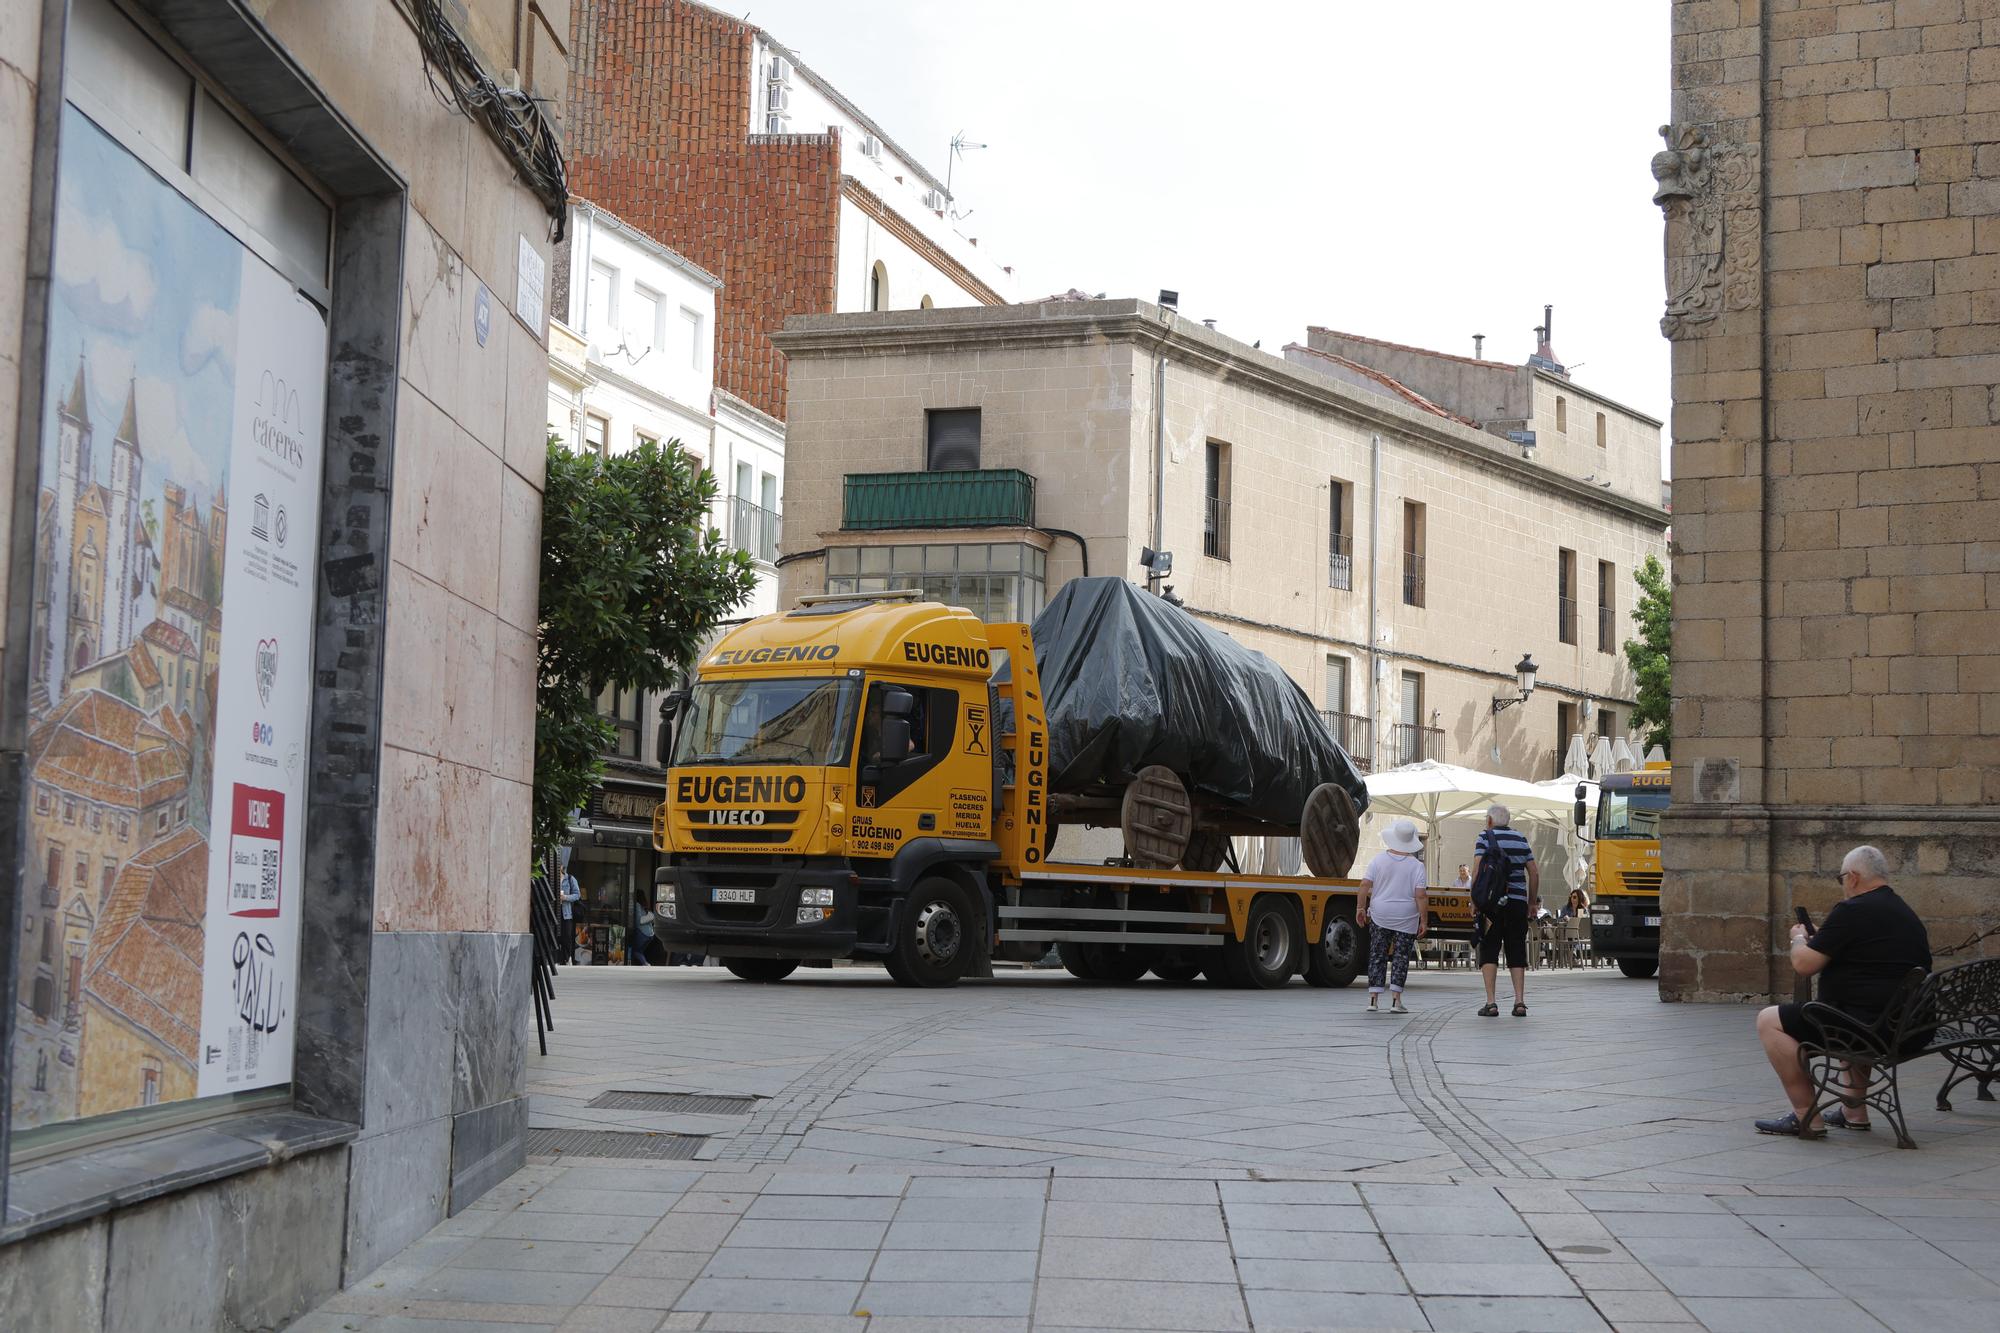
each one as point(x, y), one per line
point(1130, 680)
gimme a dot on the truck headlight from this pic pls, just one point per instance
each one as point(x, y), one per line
point(665, 904)
point(1600, 920)
point(816, 897)
point(812, 916)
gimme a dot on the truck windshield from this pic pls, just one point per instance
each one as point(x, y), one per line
point(807, 722)
point(1630, 814)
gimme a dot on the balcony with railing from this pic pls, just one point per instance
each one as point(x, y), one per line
point(1354, 733)
point(1215, 528)
point(754, 529)
point(1413, 578)
point(1412, 744)
point(1566, 619)
point(964, 498)
point(1607, 630)
point(1340, 562)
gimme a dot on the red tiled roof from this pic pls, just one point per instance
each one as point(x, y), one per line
point(146, 954)
point(95, 744)
point(169, 637)
point(1388, 382)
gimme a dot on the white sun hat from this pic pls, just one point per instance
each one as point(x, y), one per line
point(1401, 836)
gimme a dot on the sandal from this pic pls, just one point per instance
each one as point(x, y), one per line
point(1837, 1119)
point(1788, 1125)
point(1489, 1011)
point(1520, 1011)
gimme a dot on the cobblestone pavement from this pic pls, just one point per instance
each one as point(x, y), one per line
point(1034, 1153)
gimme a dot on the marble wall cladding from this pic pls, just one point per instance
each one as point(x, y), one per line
point(398, 1184)
point(410, 1032)
point(268, 1251)
point(487, 1146)
point(488, 999)
point(56, 1281)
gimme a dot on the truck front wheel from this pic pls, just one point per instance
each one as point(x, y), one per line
point(762, 969)
point(1638, 968)
point(937, 935)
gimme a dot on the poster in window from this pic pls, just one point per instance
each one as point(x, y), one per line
point(168, 651)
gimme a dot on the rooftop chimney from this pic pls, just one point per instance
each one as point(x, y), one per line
point(1478, 347)
point(1545, 353)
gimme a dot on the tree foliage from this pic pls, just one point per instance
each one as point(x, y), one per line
point(1651, 654)
point(633, 580)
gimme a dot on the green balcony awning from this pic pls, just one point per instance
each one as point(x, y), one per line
point(989, 497)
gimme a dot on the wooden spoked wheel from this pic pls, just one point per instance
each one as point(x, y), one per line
point(1157, 818)
point(1330, 831)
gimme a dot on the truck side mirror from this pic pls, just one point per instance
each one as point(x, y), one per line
point(663, 745)
point(1579, 815)
point(895, 736)
point(899, 702)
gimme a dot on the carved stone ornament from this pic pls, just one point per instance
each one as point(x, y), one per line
point(1710, 194)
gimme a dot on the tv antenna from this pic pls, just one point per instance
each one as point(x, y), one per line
point(960, 146)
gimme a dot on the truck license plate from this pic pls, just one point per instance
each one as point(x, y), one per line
point(734, 896)
point(1652, 921)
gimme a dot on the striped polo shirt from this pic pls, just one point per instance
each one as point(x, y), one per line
point(1515, 844)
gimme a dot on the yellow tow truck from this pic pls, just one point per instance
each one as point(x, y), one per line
point(868, 777)
point(1625, 909)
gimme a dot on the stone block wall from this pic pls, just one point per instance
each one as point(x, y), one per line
point(1832, 203)
point(659, 132)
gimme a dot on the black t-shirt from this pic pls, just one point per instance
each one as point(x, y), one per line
point(1873, 940)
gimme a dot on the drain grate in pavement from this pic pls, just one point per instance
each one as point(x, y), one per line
point(677, 1103)
point(613, 1143)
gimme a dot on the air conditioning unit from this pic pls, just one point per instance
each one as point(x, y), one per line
point(935, 201)
point(775, 124)
point(778, 97)
point(781, 70)
point(871, 147)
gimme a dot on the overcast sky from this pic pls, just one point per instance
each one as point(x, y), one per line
point(1416, 172)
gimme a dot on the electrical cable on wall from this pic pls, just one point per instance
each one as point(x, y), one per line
point(511, 116)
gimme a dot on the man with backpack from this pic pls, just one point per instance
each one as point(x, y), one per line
point(1506, 891)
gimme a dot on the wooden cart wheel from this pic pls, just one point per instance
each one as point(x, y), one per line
point(1330, 831)
point(1205, 851)
point(1157, 818)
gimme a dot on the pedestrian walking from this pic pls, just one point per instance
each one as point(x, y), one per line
point(1395, 906)
point(1860, 953)
point(570, 892)
point(1507, 891)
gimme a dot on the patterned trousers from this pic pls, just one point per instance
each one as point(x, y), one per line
point(1388, 955)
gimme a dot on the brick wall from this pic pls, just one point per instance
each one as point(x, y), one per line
point(1836, 326)
point(658, 130)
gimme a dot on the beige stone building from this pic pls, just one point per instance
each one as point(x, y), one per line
point(1395, 558)
point(273, 377)
point(1833, 297)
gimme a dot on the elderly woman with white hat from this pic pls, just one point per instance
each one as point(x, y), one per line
point(1395, 906)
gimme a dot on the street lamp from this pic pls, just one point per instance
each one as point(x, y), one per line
point(1524, 679)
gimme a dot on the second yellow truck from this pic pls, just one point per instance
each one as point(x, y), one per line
point(861, 778)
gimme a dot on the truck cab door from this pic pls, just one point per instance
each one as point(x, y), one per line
point(909, 762)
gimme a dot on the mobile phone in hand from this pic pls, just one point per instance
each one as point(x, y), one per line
point(1805, 918)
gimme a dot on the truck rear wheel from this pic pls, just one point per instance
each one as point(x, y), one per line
point(761, 969)
point(1638, 968)
point(1177, 971)
point(1334, 959)
point(936, 936)
point(1088, 961)
point(1271, 947)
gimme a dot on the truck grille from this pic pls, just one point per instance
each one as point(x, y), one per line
point(739, 836)
point(1642, 881)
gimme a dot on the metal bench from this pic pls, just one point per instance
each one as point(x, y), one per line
point(1954, 1013)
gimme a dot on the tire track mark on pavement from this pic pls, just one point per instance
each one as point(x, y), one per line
point(779, 1125)
point(1419, 1081)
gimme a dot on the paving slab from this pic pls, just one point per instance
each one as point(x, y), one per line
point(1026, 1153)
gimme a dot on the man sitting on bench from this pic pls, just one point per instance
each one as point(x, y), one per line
point(1865, 947)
